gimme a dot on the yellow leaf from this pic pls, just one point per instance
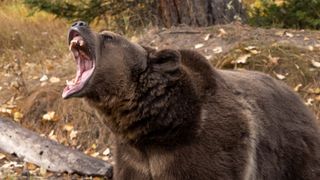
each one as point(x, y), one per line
point(297, 88)
point(52, 136)
point(242, 59)
point(31, 166)
point(95, 154)
point(17, 116)
point(222, 32)
point(311, 48)
point(93, 146)
point(68, 127)
point(273, 60)
point(54, 80)
point(315, 63)
point(48, 116)
point(73, 134)
point(2, 156)
point(43, 171)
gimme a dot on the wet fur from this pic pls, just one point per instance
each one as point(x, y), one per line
point(174, 116)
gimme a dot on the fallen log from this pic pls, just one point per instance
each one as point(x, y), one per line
point(48, 154)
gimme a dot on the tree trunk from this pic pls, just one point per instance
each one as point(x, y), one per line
point(198, 12)
point(48, 154)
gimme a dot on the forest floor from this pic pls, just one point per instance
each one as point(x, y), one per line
point(30, 89)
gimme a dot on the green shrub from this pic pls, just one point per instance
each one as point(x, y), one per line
point(291, 14)
point(117, 15)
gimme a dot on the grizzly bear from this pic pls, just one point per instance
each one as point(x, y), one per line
point(175, 117)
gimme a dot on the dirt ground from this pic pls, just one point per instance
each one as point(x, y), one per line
point(34, 99)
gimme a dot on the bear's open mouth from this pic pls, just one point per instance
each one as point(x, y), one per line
point(85, 64)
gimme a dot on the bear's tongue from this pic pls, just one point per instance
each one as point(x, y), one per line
point(85, 67)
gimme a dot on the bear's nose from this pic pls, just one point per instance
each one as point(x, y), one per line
point(79, 24)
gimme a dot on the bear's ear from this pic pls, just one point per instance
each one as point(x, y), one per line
point(166, 60)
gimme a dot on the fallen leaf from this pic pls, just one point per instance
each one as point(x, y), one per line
point(134, 39)
point(273, 60)
point(297, 88)
point(14, 84)
point(222, 32)
point(317, 91)
point(105, 158)
point(311, 48)
point(49, 116)
point(311, 91)
point(52, 136)
point(197, 46)
point(11, 164)
point(315, 63)
point(280, 33)
point(68, 127)
point(17, 116)
point(44, 78)
point(91, 149)
point(207, 37)
point(43, 171)
point(95, 154)
point(106, 152)
point(317, 98)
point(306, 39)
point(30, 65)
point(73, 134)
point(54, 79)
point(31, 166)
point(94, 146)
point(279, 76)
point(217, 50)
point(2, 156)
point(208, 57)
point(242, 59)
point(309, 102)
point(5, 110)
point(43, 84)
point(290, 35)
point(252, 49)
point(248, 48)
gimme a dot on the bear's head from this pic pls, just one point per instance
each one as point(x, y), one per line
point(109, 64)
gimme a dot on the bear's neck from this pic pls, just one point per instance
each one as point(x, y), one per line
point(157, 110)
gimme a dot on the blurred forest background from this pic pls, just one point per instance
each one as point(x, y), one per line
point(278, 37)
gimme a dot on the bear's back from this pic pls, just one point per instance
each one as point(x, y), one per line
point(287, 137)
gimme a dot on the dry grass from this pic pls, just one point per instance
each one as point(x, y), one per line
point(39, 39)
point(291, 62)
point(30, 34)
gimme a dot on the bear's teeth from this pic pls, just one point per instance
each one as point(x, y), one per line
point(70, 83)
point(76, 53)
point(74, 41)
point(81, 42)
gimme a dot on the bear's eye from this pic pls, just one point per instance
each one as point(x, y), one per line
point(107, 37)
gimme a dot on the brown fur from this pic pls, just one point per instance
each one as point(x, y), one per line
point(175, 117)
